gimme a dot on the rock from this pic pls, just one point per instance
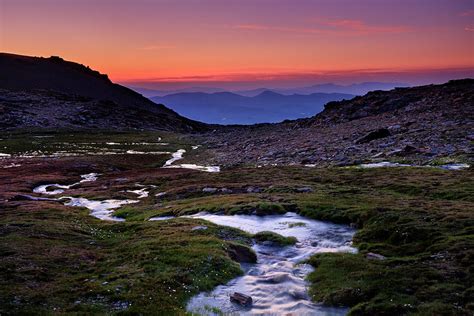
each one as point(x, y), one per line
point(241, 253)
point(199, 227)
point(304, 189)
point(225, 190)
point(209, 190)
point(253, 190)
point(373, 135)
point(375, 256)
point(241, 299)
point(407, 150)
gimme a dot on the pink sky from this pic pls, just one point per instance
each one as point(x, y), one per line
point(249, 43)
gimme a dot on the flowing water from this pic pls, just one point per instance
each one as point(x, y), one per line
point(59, 188)
point(99, 209)
point(178, 155)
point(277, 282)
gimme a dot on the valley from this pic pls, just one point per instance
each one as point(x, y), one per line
point(412, 243)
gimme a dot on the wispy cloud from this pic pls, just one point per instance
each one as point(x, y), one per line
point(361, 27)
point(302, 75)
point(469, 29)
point(344, 27)
point(467, 13)
point(156, 47)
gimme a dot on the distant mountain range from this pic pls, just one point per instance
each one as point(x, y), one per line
point(232, 108)
point(355, 89)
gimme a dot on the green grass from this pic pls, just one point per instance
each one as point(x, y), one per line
point(420, 219)
point(63, 260)
point(274, 238)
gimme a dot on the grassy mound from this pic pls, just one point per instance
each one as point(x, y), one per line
point(274, 238)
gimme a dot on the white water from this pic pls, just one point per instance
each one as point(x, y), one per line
point(455, 166)
point(175, 157)
point(197, 167)
point(451, 166)
point(161, 218)
point(100, 209)
point(59, 188)
point(179, 155)
point(142, 193)
point(383, 164)
point(277, 282)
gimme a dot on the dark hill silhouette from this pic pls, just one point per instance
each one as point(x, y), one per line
point(60, 77)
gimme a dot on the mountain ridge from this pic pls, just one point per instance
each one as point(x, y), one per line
point(53, 79)
point(417, 125)
point(232, 108)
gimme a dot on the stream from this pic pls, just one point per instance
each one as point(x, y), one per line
point(276, 282)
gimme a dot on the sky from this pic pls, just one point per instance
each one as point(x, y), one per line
point(168, 44)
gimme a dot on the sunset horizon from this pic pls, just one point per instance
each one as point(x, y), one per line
point(176, 44)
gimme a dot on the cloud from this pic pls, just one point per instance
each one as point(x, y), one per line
point(343, 27)
point(360, 27)
point(467, 13)
point(156, 47)
point(303, 75)
point(469, 29)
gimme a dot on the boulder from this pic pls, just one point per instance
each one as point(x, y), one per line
point(253, 190)
point(375, 256)
point(241, 299)
point(209, 190)
point(373, 135)
point(304, 189)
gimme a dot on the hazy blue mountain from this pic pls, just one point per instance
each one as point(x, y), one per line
point(232, 108)
point(154, 93)
point(355, 89)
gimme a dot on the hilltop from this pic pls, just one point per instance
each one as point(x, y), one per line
point(50, 92)
point(419, 124)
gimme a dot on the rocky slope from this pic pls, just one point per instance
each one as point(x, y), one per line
point(419, 125)
point(51, 92)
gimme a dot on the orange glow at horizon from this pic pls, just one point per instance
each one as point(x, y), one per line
point(234, 40)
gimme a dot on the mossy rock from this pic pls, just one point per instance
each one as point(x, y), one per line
point(274, 238)
point(241, 253)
